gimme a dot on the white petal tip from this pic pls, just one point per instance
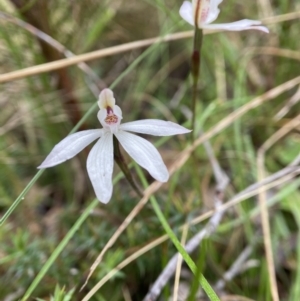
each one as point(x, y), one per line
point(47, 164)
point(164, 178)
point(178, 129)
point(104, 201)
point(264, 29)
point(43, 166)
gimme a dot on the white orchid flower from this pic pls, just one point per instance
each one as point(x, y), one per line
point(203, 12)
point(101, 158)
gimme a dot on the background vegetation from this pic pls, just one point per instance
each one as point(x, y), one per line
point(38, 111)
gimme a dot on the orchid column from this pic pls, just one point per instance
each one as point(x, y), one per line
point(200, 13)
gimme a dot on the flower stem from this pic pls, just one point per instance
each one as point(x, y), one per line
point(195, 71)
point(124, 167)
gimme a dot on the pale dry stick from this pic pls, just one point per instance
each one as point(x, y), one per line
point(281, 18)
point(59, 47)
point(265, 8)
point(235, 268)
point(91, 56)
point(288, 53)
point(158, 241)
point(287, 107)
point(126, 293)
point(179, 263)
point(263, 202)
point(185, 154)
point(221, 178)
point(220, 74)
point(265, 11)
point(34, 70)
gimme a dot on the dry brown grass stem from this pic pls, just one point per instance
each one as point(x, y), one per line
point(185, 154)
point(265, 8)
point(90, 56)
point(179, 264)
point(126, 293)
point(34, 70)
point(281, 18)
point(291, 54)
point(263, 202)
point(290, 103)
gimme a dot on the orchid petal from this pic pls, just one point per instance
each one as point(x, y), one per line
point(154, 127)
point(100, 165)
point(70, 146)
point(186, 12)
point(238, 26)
point(213, 12)
point(145, 154)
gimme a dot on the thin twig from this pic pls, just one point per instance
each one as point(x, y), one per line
point(179, 264)
point(287, 53)
point(235, 268)
point(90, 56)
point(263, 202)
point(291, 102)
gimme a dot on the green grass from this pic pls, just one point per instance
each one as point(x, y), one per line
point(49, 238)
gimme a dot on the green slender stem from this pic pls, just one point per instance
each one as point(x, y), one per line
point(59, 249)
point(195, 71)
point(124, 167)
point(186, 257)
point(14, 205)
